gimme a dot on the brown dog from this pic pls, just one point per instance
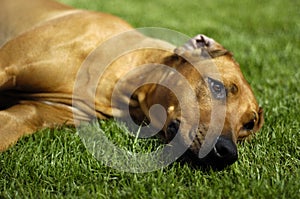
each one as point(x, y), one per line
point(45, 46)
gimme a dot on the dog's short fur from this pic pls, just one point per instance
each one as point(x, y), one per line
point(44, 43)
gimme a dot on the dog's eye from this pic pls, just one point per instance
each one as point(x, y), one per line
point(217, 89)
point(249, 126)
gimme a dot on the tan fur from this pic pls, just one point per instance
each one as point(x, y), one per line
point(43, 45)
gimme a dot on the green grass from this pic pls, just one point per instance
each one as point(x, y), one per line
point(264, 36)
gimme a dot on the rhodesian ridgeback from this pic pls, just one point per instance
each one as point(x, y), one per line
point(45, 45)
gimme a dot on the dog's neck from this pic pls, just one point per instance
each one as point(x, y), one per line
point(154, 75)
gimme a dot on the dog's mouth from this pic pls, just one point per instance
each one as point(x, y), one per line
point(223, 153)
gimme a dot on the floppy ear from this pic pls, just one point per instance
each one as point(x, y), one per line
point(201, 47)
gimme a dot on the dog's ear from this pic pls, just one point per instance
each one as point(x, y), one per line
point(260, 119)
point(201, 47)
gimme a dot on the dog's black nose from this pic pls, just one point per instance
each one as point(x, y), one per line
point(223, 154)
point(225, 148)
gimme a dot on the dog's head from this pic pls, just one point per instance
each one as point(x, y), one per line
point(222, 102)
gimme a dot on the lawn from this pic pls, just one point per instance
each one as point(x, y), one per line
point(264, 36)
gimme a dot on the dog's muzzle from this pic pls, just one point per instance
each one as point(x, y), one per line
point(223, 154)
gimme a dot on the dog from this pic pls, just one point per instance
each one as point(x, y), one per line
point(45, 44)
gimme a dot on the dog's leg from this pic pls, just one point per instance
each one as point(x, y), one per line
point(16, 122)
point(27, 117)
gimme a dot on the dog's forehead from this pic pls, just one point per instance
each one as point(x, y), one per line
point(231, 73)
point(221, 68)
point(226, 63)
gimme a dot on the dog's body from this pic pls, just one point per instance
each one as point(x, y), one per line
point(43, 47)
